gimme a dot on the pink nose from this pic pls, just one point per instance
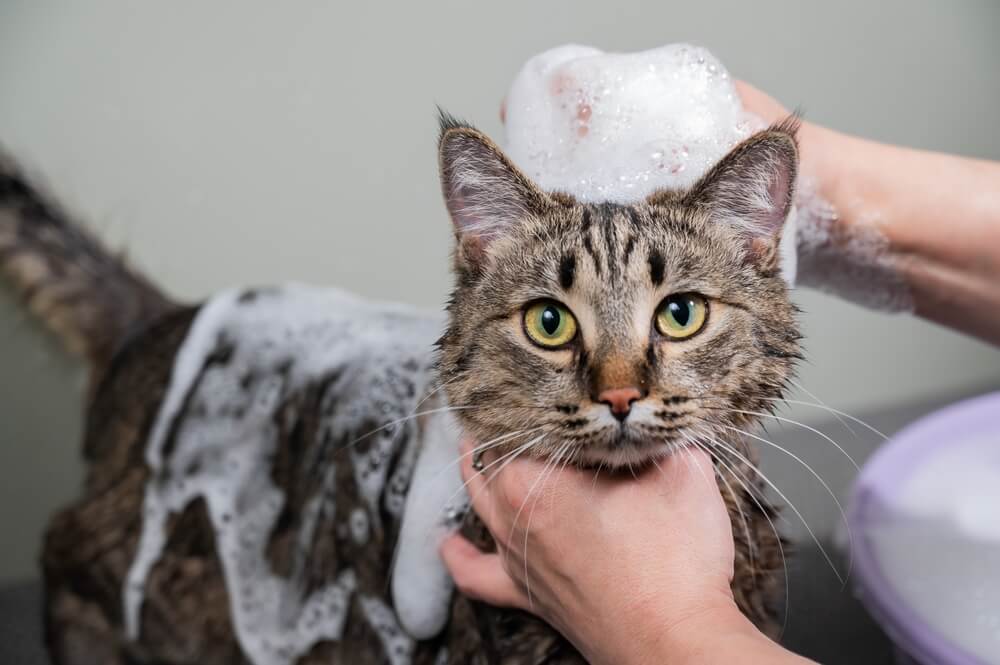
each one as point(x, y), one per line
point(620, 400)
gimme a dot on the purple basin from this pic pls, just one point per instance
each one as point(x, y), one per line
point(925, 525)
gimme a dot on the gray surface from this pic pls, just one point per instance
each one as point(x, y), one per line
point(21, 624)
point(824, 621)
point(226, 143)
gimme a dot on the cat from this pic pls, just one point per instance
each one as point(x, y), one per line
point(252, 460)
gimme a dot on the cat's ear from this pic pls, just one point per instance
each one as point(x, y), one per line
point(485, 193)
point(751, 189)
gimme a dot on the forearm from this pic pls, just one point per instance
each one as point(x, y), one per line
point(723, 636)
point(933, 219)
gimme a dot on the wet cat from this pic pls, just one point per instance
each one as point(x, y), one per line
point(254, 460)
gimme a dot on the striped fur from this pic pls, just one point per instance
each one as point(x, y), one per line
point(90, 299)
point(612, 265)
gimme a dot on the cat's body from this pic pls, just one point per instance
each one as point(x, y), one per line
point(319, 499)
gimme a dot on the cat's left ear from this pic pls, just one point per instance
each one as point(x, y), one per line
point(751, 189)
point(485, 193)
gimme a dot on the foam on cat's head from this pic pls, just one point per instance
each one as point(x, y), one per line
point(616, 127)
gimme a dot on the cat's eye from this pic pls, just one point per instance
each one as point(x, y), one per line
point(549, 324)
point(681, 315)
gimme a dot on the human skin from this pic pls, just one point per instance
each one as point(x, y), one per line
point(636, 570)
point(940, 216)
point(631, 569)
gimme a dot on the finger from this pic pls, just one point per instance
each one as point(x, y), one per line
point(481, 576)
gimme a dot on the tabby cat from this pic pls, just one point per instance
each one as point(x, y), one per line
point(250, 458)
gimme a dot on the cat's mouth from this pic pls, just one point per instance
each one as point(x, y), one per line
point(646, 435)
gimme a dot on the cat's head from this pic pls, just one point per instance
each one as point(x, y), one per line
point(614, 334)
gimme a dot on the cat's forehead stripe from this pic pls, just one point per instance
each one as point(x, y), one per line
point(567, 271)
point(657, 267)
point(588, 244)
point(608, 226)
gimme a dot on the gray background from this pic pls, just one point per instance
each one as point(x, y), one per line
point(230, 143)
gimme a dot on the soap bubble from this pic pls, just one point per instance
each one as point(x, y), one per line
point(616, 127)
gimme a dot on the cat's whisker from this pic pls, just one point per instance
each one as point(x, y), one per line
point(503, 460)
point(483, 447)
point(399, 421)
point(509, 457)
point(746, 485)
point(527, 529)
point(762, 414)
point(751, 487)
point(826, 486)
point(517, 516)
point(835, 412)
point(443, 409)
point(731, 450)
point(820, 403)
point(593, 485)
point(701, 471)
point(737, 503)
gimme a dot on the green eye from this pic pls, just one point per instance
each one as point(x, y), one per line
point(681, 315)
point(549, 324)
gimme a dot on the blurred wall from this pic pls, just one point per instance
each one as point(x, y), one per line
point(245, 142)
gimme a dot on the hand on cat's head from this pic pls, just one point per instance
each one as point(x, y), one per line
point(600, 556)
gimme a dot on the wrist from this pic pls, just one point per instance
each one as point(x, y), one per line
point(703, 637)
point(715, 633)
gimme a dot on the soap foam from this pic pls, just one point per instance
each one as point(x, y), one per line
point(618, 126)
point(852, 261)
point(224, 438)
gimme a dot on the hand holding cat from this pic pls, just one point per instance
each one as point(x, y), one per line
point(627, 568)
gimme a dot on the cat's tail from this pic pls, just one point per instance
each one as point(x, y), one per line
point(85, 295)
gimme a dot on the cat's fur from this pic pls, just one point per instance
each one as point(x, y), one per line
point(515, 244)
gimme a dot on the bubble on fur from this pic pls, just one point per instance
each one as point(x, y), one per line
point(219, 417)
point(359, 526)
point(398, 646)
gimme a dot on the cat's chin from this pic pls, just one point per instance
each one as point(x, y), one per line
point(627, 453)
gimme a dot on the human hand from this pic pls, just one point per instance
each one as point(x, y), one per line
point(618, 564)
point(817, 145)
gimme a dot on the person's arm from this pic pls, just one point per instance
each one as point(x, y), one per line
point(633, 570)
point(931, 221)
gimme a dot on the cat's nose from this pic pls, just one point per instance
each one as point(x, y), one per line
point(620, 400)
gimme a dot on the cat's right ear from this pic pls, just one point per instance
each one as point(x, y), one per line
point(485, 193)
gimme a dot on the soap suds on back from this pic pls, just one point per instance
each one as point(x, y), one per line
point(215, 437)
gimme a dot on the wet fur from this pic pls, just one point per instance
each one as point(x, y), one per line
point(129, 333)
point(612, 265)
